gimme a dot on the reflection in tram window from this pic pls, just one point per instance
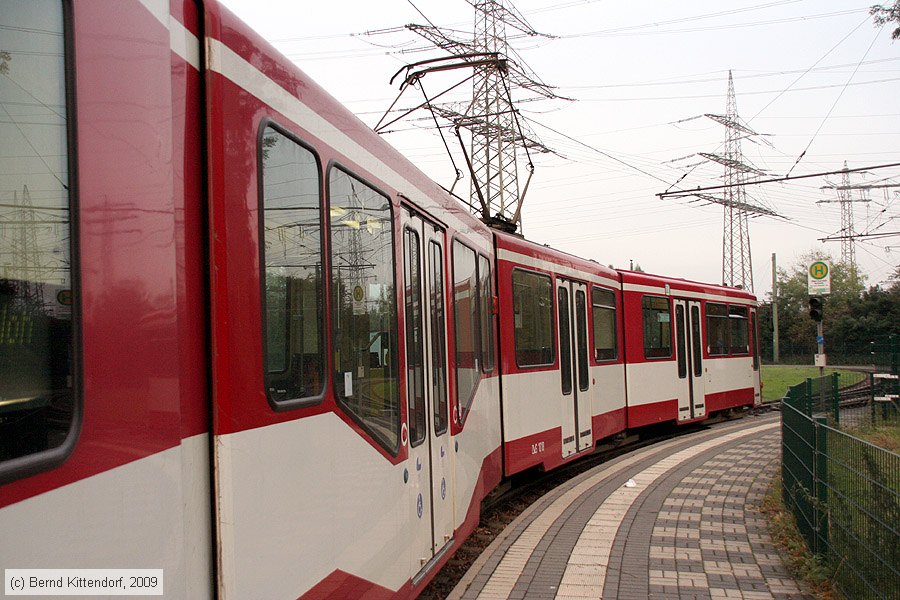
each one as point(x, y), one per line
point(657, 321)
point(438, 340)
point(292, 253)
point(717, 329)
point(37, 400)
point(468, 324)
point(415, 343)
point(486, 310)
point(533, 318)
point(604, 313)
point(739, 330)
point(364, 317)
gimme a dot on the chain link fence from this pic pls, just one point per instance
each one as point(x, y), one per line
point(845, 491)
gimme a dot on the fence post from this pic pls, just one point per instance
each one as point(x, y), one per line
point(821, 486)
point(807, 404)
point(836, 399)
point(895, 354)
point(872, 396)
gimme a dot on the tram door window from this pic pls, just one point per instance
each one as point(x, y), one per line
point(415, 360)
point(291, 251)
point(438, 338)
point(39, 405)
point(364, 313)
point(473, 316)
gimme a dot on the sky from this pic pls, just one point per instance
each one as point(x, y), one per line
point(814, 78)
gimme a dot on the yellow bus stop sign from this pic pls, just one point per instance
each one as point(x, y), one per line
point(818, 278)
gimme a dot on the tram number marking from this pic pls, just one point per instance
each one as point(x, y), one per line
point(537, 448)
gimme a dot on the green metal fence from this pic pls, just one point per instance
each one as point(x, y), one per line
point(843, 491)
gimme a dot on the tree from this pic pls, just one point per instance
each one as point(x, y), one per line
point(854, 316)
point(887, 14)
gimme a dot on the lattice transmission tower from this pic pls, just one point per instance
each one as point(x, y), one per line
point(848, 234)
point(23, 261)
point(737, 262)
point(499, 136)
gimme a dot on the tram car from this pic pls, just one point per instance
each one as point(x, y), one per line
point(243, 340)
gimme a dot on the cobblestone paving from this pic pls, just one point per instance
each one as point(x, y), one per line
point(688, 527)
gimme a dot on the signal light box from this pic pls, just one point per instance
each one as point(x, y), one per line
point(818, 278)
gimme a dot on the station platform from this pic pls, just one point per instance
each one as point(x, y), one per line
point(679, 519)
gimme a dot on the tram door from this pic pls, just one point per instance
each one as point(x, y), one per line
point(429, 466)
point(574, 367)
point(689, 355)
point(754, 350)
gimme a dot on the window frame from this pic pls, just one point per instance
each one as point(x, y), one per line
point(552, 320)
point(734, 317)
point(671, 348)
point(31, 464)
point(395, 327)
point(615, 321)
point(710, 349)
point(463, 407)
point(305, 401)
point(486, 313)
point(440, 402)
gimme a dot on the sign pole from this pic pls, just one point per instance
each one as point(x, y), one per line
point(820, 339)
point(818, 283)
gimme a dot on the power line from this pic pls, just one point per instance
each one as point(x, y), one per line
point(682, 193)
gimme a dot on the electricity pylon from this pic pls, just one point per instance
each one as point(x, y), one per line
point(499, 135)
point(737, 263)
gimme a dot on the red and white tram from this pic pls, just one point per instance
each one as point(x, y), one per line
point(244, 341)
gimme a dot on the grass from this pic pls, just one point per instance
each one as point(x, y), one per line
point(801, 563)
point(777, 379)
point(883, 436)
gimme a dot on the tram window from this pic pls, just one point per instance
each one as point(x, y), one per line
point(438, 339)
point(754, 330)
point(657, 321)
point(467, 321)
point(740, 337)
point(582, 348)
point(680, 333)
point(604, 320)
point(717, 329)
point(533, 318)
point(415, 351)
point(565, 340)
point(292, 275)
point(364, 314)
point(696, 342)
point(39, 407)
point(487, 314)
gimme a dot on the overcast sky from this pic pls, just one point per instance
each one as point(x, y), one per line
point(812, 75)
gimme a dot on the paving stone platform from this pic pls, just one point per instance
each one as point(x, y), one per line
point(679, 519)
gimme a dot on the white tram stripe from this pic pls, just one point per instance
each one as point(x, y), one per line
point(652, 289)
point(223, 60)
point(546, 265)
point(181, 41)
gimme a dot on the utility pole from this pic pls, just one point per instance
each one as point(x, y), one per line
point(774, 311)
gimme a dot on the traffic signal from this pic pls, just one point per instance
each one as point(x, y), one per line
point(816, 308)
